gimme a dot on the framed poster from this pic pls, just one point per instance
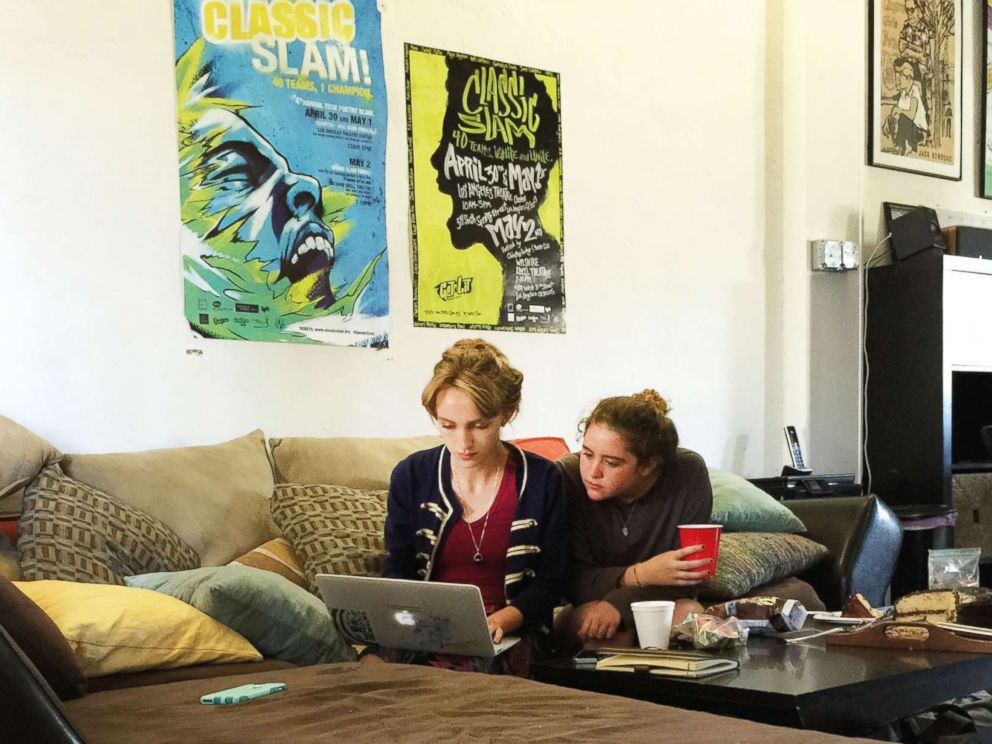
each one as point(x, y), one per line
point(985, 182)
point(914, 105)
point(487, 235)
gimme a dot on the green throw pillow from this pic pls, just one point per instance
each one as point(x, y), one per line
point(279, 618)
point(741, 506)
point(750, 559)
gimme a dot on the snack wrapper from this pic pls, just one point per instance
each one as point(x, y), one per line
point(708, 632)
point(764, 615)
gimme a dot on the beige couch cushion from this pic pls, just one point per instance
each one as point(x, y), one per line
point(342, 461)
point(22, 456)
point(216, 498)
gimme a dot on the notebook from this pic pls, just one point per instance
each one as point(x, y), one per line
point(411, 615)
point(667, 663)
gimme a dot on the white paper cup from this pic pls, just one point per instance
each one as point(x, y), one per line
point(654, 622)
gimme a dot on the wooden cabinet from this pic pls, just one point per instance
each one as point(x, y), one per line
point(928, 364)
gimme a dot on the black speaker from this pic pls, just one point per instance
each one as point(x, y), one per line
point(975, 242)
point(914, 232)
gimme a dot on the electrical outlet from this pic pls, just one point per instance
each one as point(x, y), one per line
point(826, 255)
point(834, 255)
point(850, 254)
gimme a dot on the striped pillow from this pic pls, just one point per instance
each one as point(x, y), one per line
point(750, 559)
point(276, 556)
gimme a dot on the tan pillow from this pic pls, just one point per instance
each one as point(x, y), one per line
point(344, 461)
point(276, 556)
point(22, 456)
point(333, 529)
point(216, 498)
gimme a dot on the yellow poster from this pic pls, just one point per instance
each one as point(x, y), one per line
point(484, 140)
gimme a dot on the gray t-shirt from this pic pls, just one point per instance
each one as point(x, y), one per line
point(600, 552)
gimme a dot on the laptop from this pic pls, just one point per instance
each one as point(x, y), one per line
point(411, 615)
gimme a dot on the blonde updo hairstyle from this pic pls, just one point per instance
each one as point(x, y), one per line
point(642, 420)
point(481, 371)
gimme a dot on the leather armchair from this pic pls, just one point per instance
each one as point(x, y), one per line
point(31, 710)
point(863, 536)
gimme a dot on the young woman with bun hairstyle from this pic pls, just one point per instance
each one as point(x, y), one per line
point(627, 491)
point(478, 510)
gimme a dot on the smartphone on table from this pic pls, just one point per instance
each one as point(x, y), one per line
point(242, 693)
point(587, 657)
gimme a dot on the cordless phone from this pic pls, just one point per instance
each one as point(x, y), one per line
point(796, 453)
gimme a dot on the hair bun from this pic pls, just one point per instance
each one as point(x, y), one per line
point(654, 399)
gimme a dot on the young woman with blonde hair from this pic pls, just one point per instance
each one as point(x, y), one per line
point(478, 510)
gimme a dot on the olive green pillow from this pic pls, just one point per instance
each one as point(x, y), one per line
point(750, 559)
point(741, 506)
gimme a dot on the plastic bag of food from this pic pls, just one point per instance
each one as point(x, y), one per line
point(956, 568)
point(707, 631)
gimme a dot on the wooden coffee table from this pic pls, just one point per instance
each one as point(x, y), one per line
point(841, 690)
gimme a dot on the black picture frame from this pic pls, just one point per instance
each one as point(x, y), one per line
point(985, 174)
point(915, 65)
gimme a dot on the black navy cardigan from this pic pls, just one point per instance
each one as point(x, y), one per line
point(423, 508)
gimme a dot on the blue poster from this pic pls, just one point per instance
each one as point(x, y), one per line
point(282, 138)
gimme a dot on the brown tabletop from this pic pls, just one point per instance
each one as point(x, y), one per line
point(842, 690)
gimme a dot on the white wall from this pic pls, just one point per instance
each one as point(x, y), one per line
point(833, 57)
point(955, 201)
point(678, 267)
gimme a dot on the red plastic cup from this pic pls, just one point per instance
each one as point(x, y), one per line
point(707, 535)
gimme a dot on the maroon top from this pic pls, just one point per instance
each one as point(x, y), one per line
point(455, 564)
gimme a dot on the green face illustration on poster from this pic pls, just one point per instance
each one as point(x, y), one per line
point(484, 142)
point(281, 142)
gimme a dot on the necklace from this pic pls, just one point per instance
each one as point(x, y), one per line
point(626, 519)
point(477, 558)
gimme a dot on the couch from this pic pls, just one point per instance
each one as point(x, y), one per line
point(359, 703)
point(219, 504)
